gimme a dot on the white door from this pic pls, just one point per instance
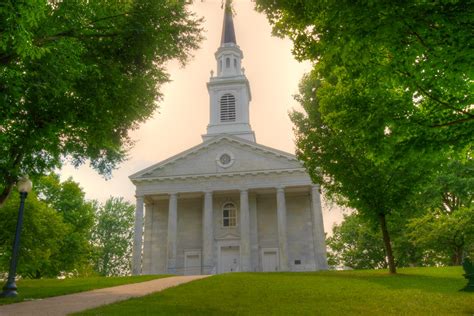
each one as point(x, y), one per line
point(229, 259)
point(270, 261)
point(192, 263)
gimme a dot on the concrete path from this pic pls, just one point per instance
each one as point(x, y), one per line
point(71, 303)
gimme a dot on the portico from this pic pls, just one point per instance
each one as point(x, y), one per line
point(249, 245)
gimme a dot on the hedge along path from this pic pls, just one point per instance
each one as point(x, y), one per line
point(71, 303)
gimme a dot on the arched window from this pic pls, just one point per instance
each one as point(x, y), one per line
point(227, 62)
point(227, 108)
point(235, 63)
point(229, 215)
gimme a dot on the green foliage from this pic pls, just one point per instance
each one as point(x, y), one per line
point(68, 199)
point(42, 237)
point(356, 244)
point(56, 230)
point(448, 235)
point(447, 227)
point(76, 76)
point(420, 291)
point(420, 49)
point(37, 289)
point(112, 237)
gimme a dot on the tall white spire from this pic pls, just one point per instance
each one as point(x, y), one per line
point(229, 91)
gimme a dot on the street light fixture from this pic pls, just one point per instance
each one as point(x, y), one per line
point(9, 290)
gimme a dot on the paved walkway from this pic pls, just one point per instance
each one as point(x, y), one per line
point(71, 303)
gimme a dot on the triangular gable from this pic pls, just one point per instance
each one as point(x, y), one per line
point(202, 159)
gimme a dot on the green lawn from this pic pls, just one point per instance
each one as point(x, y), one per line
point(415, 291)
point(34, 289)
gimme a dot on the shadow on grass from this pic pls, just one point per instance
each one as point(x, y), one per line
point(450, 283)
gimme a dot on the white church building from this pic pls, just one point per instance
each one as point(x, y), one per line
point(228, 204)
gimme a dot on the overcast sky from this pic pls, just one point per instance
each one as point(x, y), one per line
point(183, 115)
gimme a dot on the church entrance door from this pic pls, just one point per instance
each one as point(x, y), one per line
point(270, 260)
point(192, 263)
point(229, 259)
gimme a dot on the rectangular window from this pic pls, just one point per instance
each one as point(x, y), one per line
point(229, 215)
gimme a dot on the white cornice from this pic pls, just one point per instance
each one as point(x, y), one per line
point(226, 81)
point(219, 175)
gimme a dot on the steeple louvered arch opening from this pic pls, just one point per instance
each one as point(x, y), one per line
point(227, 104)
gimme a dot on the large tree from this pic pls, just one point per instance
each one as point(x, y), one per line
point(68, 199)
point(349, 145)
point(112, 237)
point(421, 48)
point(76, 76)
point(390, 87)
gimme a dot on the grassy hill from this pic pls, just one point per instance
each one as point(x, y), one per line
point(414, 291)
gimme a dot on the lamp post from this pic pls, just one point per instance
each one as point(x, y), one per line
point(9, 290)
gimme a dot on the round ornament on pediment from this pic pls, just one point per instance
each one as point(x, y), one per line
point(225, 159)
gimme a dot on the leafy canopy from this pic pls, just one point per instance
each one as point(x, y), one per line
point(76, 76)
point(422, 49)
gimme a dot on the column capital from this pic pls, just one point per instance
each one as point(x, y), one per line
point(280, 189)
point(173, 194)
point(140, 197)
point(208, 192)
point(315, 187)
point(244, 190)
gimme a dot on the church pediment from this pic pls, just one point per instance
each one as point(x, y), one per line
point(223, 155)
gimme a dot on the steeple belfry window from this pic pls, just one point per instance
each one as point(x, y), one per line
point(227, 104)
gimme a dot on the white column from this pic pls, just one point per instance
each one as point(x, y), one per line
point(147, 240)
point(172, 232)
point(138, 236)
point(282, 235)
point(254, 256)
point(244, 231)
point(207, 235)
point(318, 230)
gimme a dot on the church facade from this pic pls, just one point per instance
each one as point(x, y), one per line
point(228, 204)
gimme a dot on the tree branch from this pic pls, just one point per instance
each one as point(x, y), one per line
point(429, 95)
point(454, 122)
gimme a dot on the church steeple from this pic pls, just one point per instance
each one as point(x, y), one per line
point(228, 32)
point(229, 91)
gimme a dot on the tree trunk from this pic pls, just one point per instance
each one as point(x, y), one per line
point(387, 244)
point(6, 193)
point(456, 258)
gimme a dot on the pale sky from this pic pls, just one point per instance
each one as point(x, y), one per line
point(183, 114)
